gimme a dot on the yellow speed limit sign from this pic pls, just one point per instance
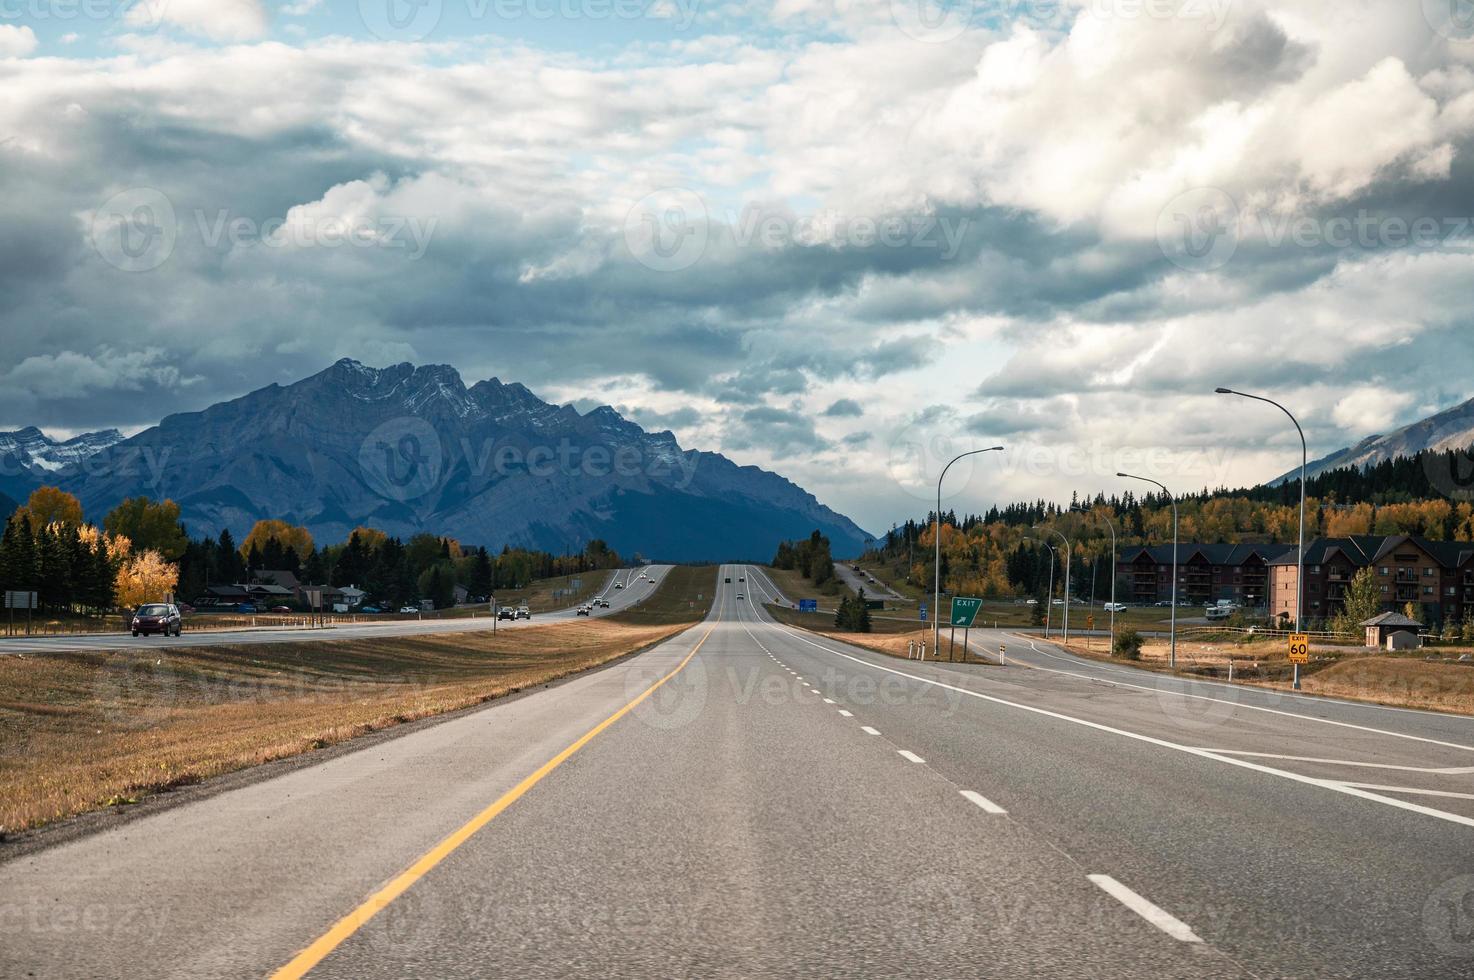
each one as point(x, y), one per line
point(1299, 648)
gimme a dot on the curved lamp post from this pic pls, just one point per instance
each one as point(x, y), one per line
point(1172, 653)
point(936, 634)
point(1304, 466)
point(1069, 557)
point(1110, 524)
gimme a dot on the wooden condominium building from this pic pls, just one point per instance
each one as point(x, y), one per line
point(1437, 577)
point(1206, 574)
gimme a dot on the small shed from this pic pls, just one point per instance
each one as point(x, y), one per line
point(1393, 631)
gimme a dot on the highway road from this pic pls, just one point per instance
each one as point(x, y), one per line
point(751, 800)
point(633, 590)
point(873, 590)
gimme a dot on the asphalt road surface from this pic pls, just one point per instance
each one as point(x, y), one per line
point(633, 591)
point(749, 800)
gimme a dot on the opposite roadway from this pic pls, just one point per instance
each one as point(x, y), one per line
point(630, 591)
point(747, 799)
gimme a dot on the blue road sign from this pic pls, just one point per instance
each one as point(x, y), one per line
point(808, 605)
point(923, 612)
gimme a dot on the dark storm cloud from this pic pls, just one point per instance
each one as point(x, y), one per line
point(845, 408)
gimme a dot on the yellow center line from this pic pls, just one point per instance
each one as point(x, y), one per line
point(377, 902)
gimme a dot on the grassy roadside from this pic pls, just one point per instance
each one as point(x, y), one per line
point(1349, 673)
point(795, 587)
point(83, 731)
point(684, 595)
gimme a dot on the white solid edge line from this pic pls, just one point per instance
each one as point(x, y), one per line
point(1163, 920)
point(1235, 687)
point(868, 730)
point(909, 756)
point(1413, 791)
point(1296, 777)
point(982, 801)
point(845, 713)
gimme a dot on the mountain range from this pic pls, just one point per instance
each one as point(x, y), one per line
point(408, 449)
point(1452, 429)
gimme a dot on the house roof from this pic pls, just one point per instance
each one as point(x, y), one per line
point(1392, 619)
point(1213, 554)
point(225, 591)
point(284, 578)
point(270, 590)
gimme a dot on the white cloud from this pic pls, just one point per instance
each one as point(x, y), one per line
point(1370, 410)
point(219, 20)
point(16, 42)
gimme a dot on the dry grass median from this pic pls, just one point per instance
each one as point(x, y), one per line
point(79, 731)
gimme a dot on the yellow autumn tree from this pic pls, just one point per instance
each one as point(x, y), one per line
point(49, 505)
point(145, 577)
point(299, 539)
point(370, 537)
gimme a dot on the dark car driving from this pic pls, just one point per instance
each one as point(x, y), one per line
point(157, 617)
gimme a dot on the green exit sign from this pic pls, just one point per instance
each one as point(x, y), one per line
point(964, 611)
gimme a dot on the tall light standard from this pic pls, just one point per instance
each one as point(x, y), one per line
point(1110, 524)
point(1049, 596)
point(1069, 556)
point(1304, 466)
point(1172, 654)
point(936, 613)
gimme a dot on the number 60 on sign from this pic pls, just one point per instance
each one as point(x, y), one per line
point(1299, 648)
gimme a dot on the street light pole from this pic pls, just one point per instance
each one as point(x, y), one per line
point(1304, 467)
point(1049, 597)
point(1110, 524)
point(936, 613)
point(1172, 653)
point(1069, 555)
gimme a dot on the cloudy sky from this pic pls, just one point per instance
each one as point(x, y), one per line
point(836, 238)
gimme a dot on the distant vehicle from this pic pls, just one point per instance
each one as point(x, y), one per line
point(409, 609)
point(246, 607)
point(741, 596)
point(157, 617)
point(583, 610)
point(742, 578)
point(281, 609)
point(523, 612)
point(371, 610)
point(604, 603)
point(1032, 602)
point(1115, 607)
point(506, 612)
point(729, 580)
point(619, 585)
point(1220, 612)
point(1164, 604)
point(1059, 602)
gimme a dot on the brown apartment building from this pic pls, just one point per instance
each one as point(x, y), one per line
point(1206, 573)
point(1435, 576)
